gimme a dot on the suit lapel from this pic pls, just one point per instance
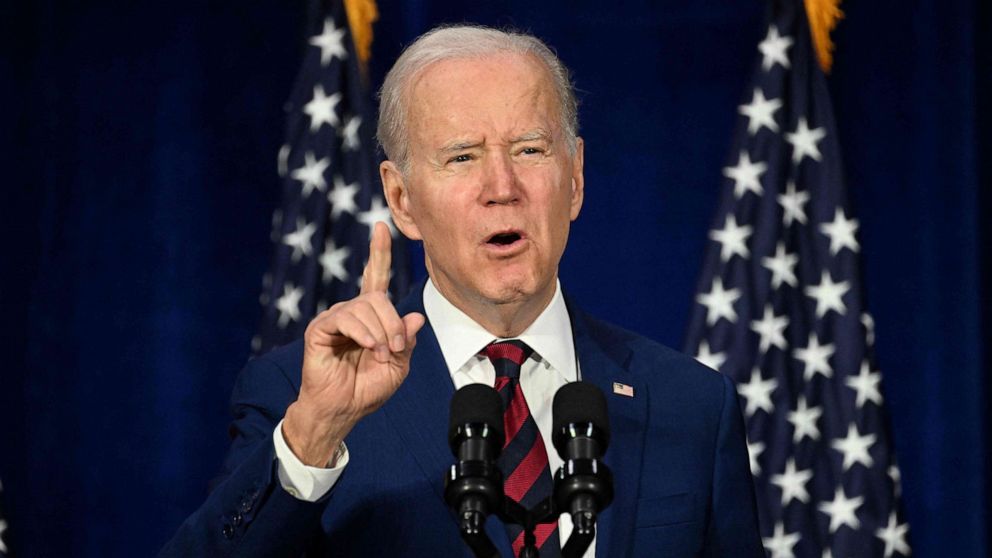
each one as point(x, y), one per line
point(602, 363)
point(419, 410)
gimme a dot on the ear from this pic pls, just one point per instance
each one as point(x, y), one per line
point(578, 179)
point(397, 194)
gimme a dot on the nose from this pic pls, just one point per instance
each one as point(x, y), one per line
point(500, 185)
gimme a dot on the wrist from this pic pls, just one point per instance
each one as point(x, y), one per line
point(312, 440)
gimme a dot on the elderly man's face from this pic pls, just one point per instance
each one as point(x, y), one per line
point(491, 187)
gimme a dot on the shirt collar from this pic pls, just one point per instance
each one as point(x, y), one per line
point(461, 338)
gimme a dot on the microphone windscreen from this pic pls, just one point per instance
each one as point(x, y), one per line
point(580, 402)
point(476, 403)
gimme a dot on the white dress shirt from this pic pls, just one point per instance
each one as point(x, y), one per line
point(551, 366)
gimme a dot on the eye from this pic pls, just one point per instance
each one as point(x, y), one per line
point(463, 158)
point(531, 150)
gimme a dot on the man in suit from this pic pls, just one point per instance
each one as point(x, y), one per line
point(339, 441)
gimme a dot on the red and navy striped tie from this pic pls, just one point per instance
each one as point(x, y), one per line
point(524, 461)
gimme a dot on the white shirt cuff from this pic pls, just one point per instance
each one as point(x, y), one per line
point(303, 481)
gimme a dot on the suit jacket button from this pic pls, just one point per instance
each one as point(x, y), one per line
point(236, 520)
point(246, 506)
point(228, 531)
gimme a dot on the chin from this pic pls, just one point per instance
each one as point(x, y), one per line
point(510, 290)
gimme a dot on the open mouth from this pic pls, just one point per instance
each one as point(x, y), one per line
point(504, 238)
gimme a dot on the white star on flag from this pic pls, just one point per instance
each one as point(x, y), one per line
point(804, 141)
point(289, 304)
point(332, 261)
point(842, 510)
point(815, 358)
point(828, 295)
point(719, 303)
point(377, 212)
point(746, 175)
point(753, 452)
point(732, 238)
point(773, 49)
point(793, 204)
point(350, 133)
point(322, 109)
point(855, 447)
point(760, 112)
point(841, 232)
point(330, 42)
point(780, 544)
point(282, 159)
point(342, 197)
point(896, 476)
point(894, 537)
point(869, 323)
point(803, 421)
point(758, 393)
point(713, 360)
point(865, 384)
point(300, 239)
point(770, 328)
point(793, 483)
point(782, 265)
point(311, 174)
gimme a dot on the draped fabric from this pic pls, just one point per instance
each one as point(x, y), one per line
point(139, 149)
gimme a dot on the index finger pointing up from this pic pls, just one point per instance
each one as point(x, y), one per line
point(375, 278)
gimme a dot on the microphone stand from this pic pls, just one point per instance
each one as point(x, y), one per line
point(546, 512)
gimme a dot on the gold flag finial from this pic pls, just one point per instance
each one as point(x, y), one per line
point(823, 16)
point(361, 15)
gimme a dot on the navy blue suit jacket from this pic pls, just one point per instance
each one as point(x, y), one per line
point(677, 451)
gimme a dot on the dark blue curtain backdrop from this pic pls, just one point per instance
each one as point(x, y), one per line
point(138, 143)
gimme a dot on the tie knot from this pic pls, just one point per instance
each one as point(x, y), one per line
point(507, 356)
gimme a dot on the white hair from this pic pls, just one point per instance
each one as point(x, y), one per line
point(464, 41)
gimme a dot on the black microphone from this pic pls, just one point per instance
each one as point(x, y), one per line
point(474, 485)
point(581, 434)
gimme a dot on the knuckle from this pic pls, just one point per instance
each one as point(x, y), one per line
point(380, 297)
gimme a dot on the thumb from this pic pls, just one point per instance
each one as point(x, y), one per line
point(413, 321)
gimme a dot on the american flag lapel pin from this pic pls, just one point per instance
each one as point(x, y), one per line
point(623, 389)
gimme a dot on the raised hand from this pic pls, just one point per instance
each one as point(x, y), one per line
point(356, 354)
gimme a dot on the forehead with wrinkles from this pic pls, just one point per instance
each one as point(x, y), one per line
point(465, 101)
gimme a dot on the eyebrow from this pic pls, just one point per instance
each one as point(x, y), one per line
point(538, 134)
point(460, 145)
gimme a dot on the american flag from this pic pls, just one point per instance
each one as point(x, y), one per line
point(780, 310)
point(331, 192)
